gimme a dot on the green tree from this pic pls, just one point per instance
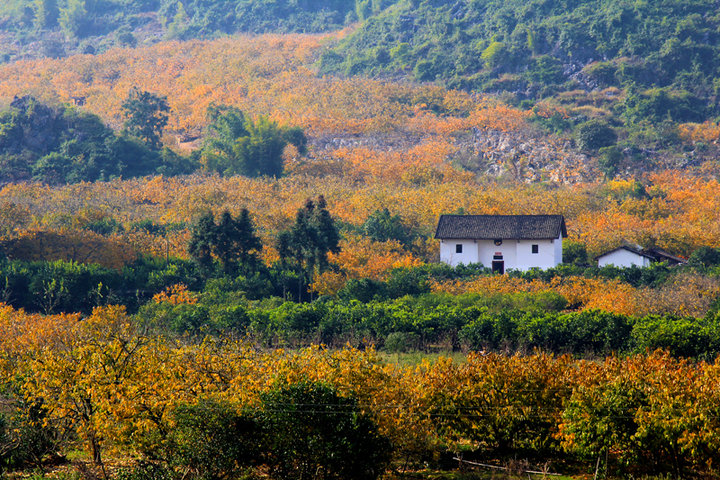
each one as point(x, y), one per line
point(382, 226)
point(74, 18)
point(328, 236)
point(306, 245)
point(248, 243)
point(495, 54)
point(595, 134)
point(575, 253)
point(179, 25)
point(237, 145)
point(230, 241)
point(146, 116)
point(46, 13)
point(53, 168)
point(260, 152)
point(311, 432)
point(57, 144)
point(235, 241)
point(705, 257)
point(202, 241)
point(224, 245)
point(211, 440)
point(609, 161)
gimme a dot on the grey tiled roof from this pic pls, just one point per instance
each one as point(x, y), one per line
point(530, 227)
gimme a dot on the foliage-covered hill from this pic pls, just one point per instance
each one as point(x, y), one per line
point(650, 65)
point(535, 48)
point(56, 28)
point(622, 76)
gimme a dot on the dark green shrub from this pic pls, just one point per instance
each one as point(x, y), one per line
point(609, 161)
point(5, 444)
point(311, 432)
point(211, 440)
point(363, 289)
point(595, 134)
point(382, 226)
point(602, 74)
point(407, 281)
point(26, 439)
point(400, 342)
point(705, 257)
point(681, 336)
point(574, 253)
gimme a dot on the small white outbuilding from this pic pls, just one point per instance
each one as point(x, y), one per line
point(503, 242)
point(626, 256)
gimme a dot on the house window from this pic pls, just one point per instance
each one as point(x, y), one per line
point(535, 248)
point(458, 248)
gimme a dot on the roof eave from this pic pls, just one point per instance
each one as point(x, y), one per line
point(624, 247)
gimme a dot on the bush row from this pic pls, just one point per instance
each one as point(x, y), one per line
point(500, 322)
point(213, 439)
point(60, 286)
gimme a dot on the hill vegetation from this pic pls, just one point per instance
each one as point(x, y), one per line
point(653, 64)
point(644, 73)
point(57, 28)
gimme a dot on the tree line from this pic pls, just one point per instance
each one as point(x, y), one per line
point(230, 292)
point(60, 144)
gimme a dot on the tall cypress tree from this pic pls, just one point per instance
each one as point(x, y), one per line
point(231, 241)
point(224, 246)
point(202, 241)
point(46, 13)
point(249, 244)
point(306, 245)
point(328, 236)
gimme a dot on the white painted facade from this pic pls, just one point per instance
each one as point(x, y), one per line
point(515, 254)
point(623, 258)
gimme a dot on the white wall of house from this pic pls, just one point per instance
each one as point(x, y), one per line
point(558, 250)
point(547, 256)
point(508, 251)
point(449, 255)
point(623, 258)
point(516, 254)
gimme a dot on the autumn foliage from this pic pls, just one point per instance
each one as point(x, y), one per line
point(102, 379)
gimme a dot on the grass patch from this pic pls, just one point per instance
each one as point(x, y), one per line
point(409, 359)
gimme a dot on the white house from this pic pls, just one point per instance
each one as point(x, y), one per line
point(635, 256)
point(503, 242)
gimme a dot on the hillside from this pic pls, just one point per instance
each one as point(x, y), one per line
point(634, 85)
point(275, 75)
point(421, 150)
point(539, 48)
point(640, 68)
point(272, 75)
point(58, 28)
